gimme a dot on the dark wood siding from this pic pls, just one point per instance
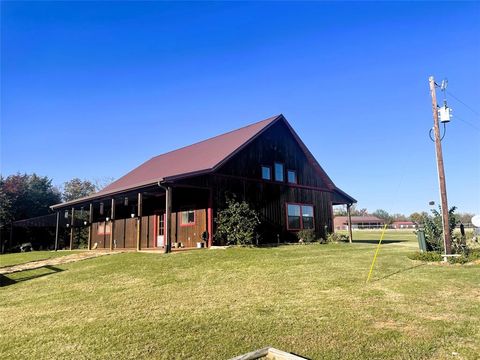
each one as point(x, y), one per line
point(270, 201)
point(148, 233)
point(119, 235)
point(102, 240)
point(275, 145)
point(131, 233)
point(189, 235)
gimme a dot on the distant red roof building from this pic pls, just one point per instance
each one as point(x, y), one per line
point(358, 222)
point(404, 225)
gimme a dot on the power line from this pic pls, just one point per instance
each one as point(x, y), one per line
point(467, 122)
point(466, 105)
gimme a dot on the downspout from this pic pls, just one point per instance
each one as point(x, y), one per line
point(168, 245)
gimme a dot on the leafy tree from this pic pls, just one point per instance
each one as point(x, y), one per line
point(383, 214)
point(5, 206)
point(76, 189)
point(236, 224)
point(362, 212)
point(434, 229)
point(340, 211)
point(101, 183)
point(26, 196)
point(465, 218)
point(398, 217)
point(417, 218)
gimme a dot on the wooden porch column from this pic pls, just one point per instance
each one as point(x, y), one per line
point(71, 228)
point(168, 219)
point(349, 219)
point(56, 230)
point(112, 224)
point(90, 225)
point(139, 221)
point(210, 219)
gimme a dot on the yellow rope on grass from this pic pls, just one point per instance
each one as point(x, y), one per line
point(376, 253)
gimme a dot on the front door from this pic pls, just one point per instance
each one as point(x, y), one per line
point(160, 230)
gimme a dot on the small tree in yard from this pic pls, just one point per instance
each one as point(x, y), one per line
point(236, 224)
point(434, 229)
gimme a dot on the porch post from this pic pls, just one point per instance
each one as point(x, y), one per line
point(72, 221)
point(168, 219)
point(139, 221)
point(210, 219)
point(349, 218)
point(90, 220)
point(56, 230)
point(112, 224)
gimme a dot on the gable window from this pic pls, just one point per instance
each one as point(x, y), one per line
point(187, 218)
point(266, 173)
point(279, 172)
point(299, 216)
point(292, 176)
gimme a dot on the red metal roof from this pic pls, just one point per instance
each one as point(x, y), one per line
point(199, 157)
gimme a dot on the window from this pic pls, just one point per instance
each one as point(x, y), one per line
point(161, 224)
point(278, 172)
point(266, 173)
point(294, 222)
point(292, 176)
point(299, 217)
point(103, 228)
point(307, 216)
point(187, 218)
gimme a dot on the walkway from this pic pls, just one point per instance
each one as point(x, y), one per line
point(54, 261)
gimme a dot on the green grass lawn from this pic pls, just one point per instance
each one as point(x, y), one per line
point(214, 304)
point(20, 258)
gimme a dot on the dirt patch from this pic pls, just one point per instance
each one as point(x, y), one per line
point(32, 265)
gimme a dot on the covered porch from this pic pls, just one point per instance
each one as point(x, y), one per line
point(162, 217)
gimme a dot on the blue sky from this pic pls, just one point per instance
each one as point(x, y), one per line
point(91, 90)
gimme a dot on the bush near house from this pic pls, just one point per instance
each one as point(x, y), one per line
point(237, 223)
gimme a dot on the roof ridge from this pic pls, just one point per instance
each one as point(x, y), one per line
point(272, 118)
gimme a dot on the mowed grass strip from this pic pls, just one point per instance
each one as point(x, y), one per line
point(214, 304)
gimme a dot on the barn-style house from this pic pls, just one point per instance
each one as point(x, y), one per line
point(172, 199)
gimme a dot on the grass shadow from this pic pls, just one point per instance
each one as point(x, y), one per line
point(26, 275)
point(399, 271)
point(375, 242)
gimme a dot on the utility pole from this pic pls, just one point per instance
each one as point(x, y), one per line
point(440, 169)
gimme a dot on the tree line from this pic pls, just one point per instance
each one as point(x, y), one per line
point(416, 217)
point(23, 196)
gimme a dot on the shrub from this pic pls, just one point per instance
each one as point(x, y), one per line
point(434, 230)
point(429, 256)
point(336, 238)
point(306, 235)
point(433, 256)
point(236, 224)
